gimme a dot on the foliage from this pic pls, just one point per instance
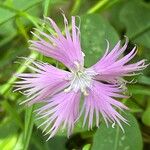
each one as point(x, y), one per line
point(100, 20)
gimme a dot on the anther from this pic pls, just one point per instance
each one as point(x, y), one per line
point(67, 89)
point(77, 65)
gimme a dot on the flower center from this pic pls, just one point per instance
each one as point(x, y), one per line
point(80, 79)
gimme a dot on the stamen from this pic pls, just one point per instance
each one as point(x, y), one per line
point(85, 93)
point(80, 79)
point(77, 65)
point(67, 89)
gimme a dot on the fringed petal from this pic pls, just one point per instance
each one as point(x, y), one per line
point(100, 102)
point(46, 81)
point(111, 67)
point(65, 49)
point(60, 111)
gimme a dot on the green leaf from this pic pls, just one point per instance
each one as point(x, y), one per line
point(144, 80)
point(146, 115)
point(28, 127)
point(115, 15)
point(8, 135)
point(101, 5)
point(19, 143)
point(5, 15)
point(135, 15)
point(114, 139)
point(57, 143)
point(87, 147)
point(25, 4)
point(134, 107)
point(140, 90)
point(94, 32)
point(38, 142)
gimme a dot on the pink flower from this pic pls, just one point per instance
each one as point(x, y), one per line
point(61, 91)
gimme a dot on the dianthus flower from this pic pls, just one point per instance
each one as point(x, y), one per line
point(60, 90)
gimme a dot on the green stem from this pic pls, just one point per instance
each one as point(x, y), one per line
point(21, 29)
point(20, 13)
point(98, 6)
point(16, 10)
point(116, 138)
point(28, 127)
point(76, 7)
point(46, 7)
point(32, 19)
point(112, 3)
point(21, 69)
point(101, 5)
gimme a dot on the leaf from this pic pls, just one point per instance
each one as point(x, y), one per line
point(8, 28)
point(134, 107)
point(94, 32)
point(25, 4)
point(115, 14)
point(28, 127)
point(146, 115)
point(114, 139)
point(144, 80)
point(19, 143)
point(135, 15)
point(13, 112)
point(140, 90)
point(9, 11)
point(86, 147)
point(57, 143)
point(8, 135)
point(38, 142)
point(5, 15)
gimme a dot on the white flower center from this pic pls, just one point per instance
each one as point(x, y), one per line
point(81, 79)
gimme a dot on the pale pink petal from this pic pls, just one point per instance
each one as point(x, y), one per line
point(46, 81)
point(60, 111)
point(111, 67)
point(65, 49)
point(100, 101)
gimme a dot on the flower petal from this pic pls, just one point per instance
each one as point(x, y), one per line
point(101, 101)
point(46, 81)
point(111, 67)
point(65, 49)
point(61, 109)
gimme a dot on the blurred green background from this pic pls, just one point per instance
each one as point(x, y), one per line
point(100, 20)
